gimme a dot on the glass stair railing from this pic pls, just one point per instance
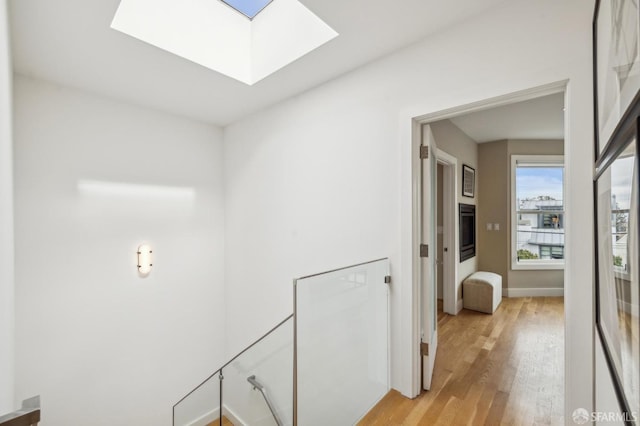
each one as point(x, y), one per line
point(327, 363)
point(227, 398)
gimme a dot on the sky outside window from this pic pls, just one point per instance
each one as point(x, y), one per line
point(621, 181)
point(533, 182)
point(249, 8)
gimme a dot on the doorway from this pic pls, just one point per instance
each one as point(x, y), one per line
point(444, 235)
point(439, 240)
point(447, 231)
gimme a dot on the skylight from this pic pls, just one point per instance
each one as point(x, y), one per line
point(249, 8)
point(212, 34)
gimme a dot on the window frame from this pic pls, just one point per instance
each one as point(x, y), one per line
point(533, 264)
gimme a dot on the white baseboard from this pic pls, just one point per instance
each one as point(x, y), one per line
point(533, 292)
point(232, 416)
point(459, 306)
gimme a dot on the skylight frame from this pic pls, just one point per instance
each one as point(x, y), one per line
point(249, 17)
point(211, 34)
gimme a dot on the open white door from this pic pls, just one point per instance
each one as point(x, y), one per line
point(428, 281)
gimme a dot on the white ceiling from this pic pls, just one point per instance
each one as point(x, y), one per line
point(70, 42)
point(539, 118)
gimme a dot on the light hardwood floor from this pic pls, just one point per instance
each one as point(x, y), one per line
point(225, 422)
point(500, 369)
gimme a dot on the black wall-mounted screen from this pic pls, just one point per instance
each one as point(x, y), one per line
point(467, 231)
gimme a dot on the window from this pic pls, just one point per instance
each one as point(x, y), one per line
point(621, 179)
point(619, 225)
point(537, 225)
point(249, 8)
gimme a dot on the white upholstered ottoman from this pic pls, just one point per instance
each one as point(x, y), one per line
point(482, 291)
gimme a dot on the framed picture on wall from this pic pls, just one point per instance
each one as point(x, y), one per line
point(616, 183)
point(616, 29)
point(617, 266)
point(468, 181)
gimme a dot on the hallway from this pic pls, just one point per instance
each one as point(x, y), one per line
point(506, 368)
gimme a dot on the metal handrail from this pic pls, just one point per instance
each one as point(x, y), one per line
point(28, 415)
point(257, 385)
point(232, 359)
point(339, 269)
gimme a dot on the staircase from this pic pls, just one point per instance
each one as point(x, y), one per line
point(28, 415)
point(326, 363)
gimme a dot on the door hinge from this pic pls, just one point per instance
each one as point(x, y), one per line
point(424, 349)
point(424, 250)
point(387, 279)
point(424, 152)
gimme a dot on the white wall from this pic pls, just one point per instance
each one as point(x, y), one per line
point(306, 192)
point(100, 344)
point(324, 179)
point(6, 223)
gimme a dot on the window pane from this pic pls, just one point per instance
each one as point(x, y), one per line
point(621, 177)
point(540, 236)
point(618, 286)
point(619, 232)
point(539, 212)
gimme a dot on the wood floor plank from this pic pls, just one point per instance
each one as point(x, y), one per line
point(422, 404)
point(498, 406)
point(386, 408)
point(225, 422)
point(449, 412)
point(506, 368)
point(469, 408)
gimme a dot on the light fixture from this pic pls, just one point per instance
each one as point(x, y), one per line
point(145, 262)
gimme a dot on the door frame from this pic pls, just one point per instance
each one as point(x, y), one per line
point(411, 121)
point(450, 232)
point(428, 264)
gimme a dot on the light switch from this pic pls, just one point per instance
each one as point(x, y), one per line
point(496, 226)
point(489, 227)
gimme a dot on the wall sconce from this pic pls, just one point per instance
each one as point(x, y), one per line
point(145, 262)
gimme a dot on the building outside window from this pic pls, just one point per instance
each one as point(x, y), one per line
point(551, 252)
point(620, 240)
